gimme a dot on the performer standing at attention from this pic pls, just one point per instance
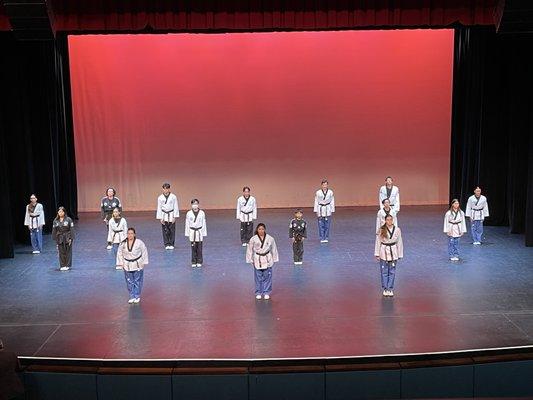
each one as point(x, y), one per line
point(477, 209)
point(34, 220)
point(391, 192)
point(196, 230)
point(63, 235)
point(108, 203)
point(298, 232)
point(262, 253)
point(383, 212)
point(132, 256)
point(324, 208)
point(388, 250)
point(246, 213)
point(118, 229)
point(454, 227)
point(167, 212)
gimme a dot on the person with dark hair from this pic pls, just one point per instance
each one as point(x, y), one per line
point(34, 220)
point(454, 227)
point(118, 228)
point(196, 230)
point(11, 387)
point(388, 250)
point(132, 257)
point(63, 235)
point(108, 203)
point(297, 233)
point(262, 253)
point(391, 192)
point(477, 209)
point(167, 212)
point(246, 213)
point(383, 212)
point(324, 208)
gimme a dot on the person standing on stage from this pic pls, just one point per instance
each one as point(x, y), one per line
point(383, 212)
point(477, 209)
point(63, 235)
point(196, 230)
point(117, 232)
point(262, 253)
point(454, 227)
point(34, 220)
point(108, 203)
point(391, 192)
point(167, 212)
point(297, 233)
point(132, 257)
point(388, 250)
point(324, 208)
point(246, 213)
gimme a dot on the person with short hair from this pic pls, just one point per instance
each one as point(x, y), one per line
point(477, 209)
point(196, 230)
point(324, 209)
point(34, 220)
point(167, 212)
point(117, 233)
point(108, 203)
point(297, 233)
point(391, 192)
point(385, 210)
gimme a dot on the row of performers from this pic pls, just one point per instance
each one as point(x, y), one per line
point(262, 253)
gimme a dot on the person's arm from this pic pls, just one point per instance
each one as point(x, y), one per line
point(102, 210)
point(120, 255)
point(187, 228)
point(159, 211)
point(291, 231)
point(397, 202)
point(315, 208)
point(254, 212)
point(486, 209)
point(468, 210)
point(463, 223)
point(377, 246)
point(446, 225)
point(399, 243)
point(238, 209)
point(144, 253)
point(332, 204)
point(176, 207)
point(72, 232)
point(249, 252)
point(274, 251)
point(119, 204)
point(304, 232)
point(27, 218)
point(42, 221)
point(204, 224)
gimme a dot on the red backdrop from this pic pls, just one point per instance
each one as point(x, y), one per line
point(211, 113)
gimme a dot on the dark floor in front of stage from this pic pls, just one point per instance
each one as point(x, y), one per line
point(331, 306)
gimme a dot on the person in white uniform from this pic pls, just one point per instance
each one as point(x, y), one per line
point(246, 213)
point(34, 220)
point(167, 212)
point(477, 209)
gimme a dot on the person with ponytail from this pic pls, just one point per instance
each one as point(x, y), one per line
point(454, 227)
point(63, 235)
point(262, 253)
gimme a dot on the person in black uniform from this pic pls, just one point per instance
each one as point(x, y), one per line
point(298, 232)
point(63, 235)
point(107, 205)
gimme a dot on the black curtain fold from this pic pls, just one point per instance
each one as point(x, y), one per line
point(492, 125)
point(38, 138)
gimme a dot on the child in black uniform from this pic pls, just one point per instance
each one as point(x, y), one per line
point(298, 232)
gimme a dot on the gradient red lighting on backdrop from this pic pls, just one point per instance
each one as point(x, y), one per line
point(211, 113)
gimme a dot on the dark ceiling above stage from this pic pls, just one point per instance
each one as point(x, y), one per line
point(173, 15)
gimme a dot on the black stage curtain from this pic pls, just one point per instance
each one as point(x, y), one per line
point(37, 133)
point(492, 124)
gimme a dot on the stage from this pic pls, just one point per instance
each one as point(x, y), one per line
point(330, 307)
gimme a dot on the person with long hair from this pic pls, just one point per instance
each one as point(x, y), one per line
point(262, 253)
point(454, 227)
point(34, 220)
point(118, 228)
point(477, 209)
point(246, 213)
point(388, 250)
point(324, 208)
point(132, 257)
point(167, 212)
point(63, 235)
point(108, 203)
point(196, 230)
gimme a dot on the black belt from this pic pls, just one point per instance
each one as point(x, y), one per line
point(117, 231)
point(136, 259)
point(249, 212)
point(324, 205)
point(196, 229)
point(262, 255)
point(388, 244)
point(167, 212)
point(455, 223)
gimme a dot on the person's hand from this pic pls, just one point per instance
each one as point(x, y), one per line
point(162, 222)
point(293, 239)
point(70, 242)
point(377, 258)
